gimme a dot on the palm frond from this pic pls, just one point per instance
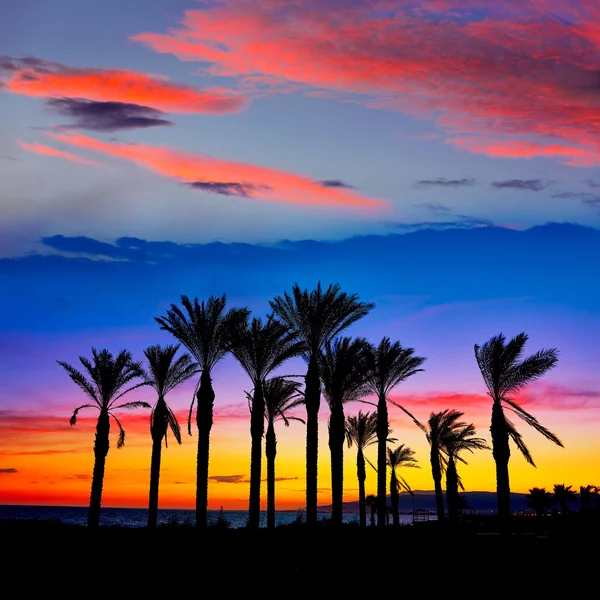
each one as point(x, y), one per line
point(516, 437)
point(533, 422)
point(73, 418)
point(414, 419)
point(121, 440)
point(134, 404)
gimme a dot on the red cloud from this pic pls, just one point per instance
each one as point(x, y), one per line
point(504, 69)
point(49, 151)
point(260, 182)
point(52, 80)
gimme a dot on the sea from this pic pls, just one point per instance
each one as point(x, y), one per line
point(138, 517)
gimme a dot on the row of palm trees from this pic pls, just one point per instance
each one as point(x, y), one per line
point(560, 499)
point(305, 324)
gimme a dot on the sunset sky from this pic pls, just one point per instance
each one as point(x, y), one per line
point(438, 158)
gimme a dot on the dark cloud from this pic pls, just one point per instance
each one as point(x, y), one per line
point(443, 182)
point(533, 185)
point(593, 202)
point(433, 206)
point(461, 222)
point(584, 197)
point(229, 478)
point(227, 188)
point(8, 470)
point(591, 183)
point(106, 116)
point(335, 183)
point(8, 158)
point(38, 65)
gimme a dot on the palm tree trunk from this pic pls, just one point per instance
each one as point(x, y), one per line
point(312, 395)
point(452, 490)
point(271, 452)
point(501, 453)
point(394, 499)
point(336, 447)
point(101, 446)
point(382, 435)
point(154, 481)
point(204, 420)
point(436, 472)
point(257, 430)
point(362, 476)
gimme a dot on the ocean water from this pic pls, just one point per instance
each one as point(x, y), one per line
point(138, 517)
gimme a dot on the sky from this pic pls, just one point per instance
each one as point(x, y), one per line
point(439, 159)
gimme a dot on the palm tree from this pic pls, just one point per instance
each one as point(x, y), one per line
point(206, 330)
point(505, 373)
point(361, 431)
point(387, 365)
point(260, 348)
point(440, 426)
point(107, 383)
point(316, 317)
point(401, 456)
point(343, 378)
point(371, 502)
point(458, 441)
point(563, 496)
point(540, 500)
point(164, 373)
point(281, 396)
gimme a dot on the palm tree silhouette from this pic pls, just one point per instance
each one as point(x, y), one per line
point(440, 427)
point(387, 365)
point(371, 502)
point(164, 373)
point(564, 495)
point(343, 378)
point(108, 376)
point(458, 441)
point(260, 348)
point(540, 500)
point(281, 396)
point(505, 373)
point(361, 431)
point(401, 456)
point(206, 330)
point(316, 317)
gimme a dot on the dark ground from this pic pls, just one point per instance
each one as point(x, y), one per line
point(546, 556)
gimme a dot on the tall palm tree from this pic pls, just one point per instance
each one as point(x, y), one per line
point(387, 365)
point(540, 500)
point(163, 374)
point(206, 330)
point(260, 348)
point(108, 380)
point(401, 456)
point(563, 495)
point(454, 444)
point(343, 377)
point(440, 427)
point(281, 396)
point(505, 373)
point(316, 317)
point(361, 431)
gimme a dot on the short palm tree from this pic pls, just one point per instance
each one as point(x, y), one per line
point(317, 317)
point(505, 373)
point(361, 431)
point(107, 381)
point(461, 439)
point(343, 378)
point(563, 495)
point(371, 502)
point(163, 374)
point(401, 456)
point(281, 396)
point(206, 329)
point(387, 365)
point(540, 500)
point(261, 347)
point(440, 427)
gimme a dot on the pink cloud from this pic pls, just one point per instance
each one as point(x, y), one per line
point(483, 68)
point(204, 172)
point(49, 151)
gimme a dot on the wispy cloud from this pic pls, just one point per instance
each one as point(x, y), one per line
point(44, 79)
point(49, 151)
point(524, 74)
point(8, 470)
point(533, 185)
point(435, 207)
point(335, 183)
point(227, 188)
point(443, 182)
point(229, 478)
point(197, 169)
point(106, 116)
